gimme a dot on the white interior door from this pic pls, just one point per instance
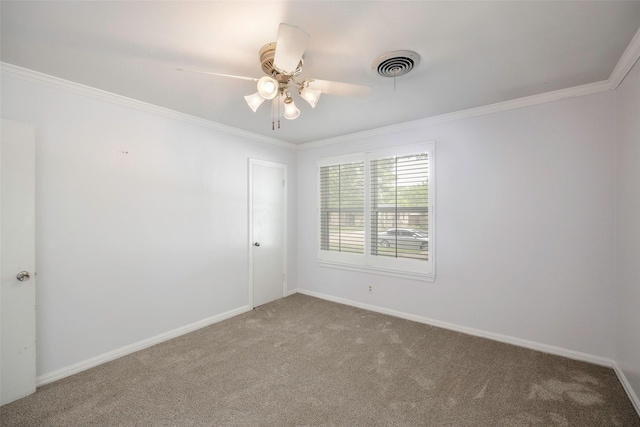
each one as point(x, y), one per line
point(267, 230)
point(17, 254)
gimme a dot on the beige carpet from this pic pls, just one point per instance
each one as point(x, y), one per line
point(301, 361)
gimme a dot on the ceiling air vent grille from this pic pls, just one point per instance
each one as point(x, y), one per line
point(394, 64)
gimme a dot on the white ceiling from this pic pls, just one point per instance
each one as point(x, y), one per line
point(473, 53)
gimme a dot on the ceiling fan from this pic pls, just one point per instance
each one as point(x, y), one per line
point(282, 62)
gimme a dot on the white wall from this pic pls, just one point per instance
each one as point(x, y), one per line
point(628, 228)
point(133, 245)
point(525, 226)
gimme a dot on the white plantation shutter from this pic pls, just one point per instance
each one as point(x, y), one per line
point(376, 211)
point(342, 207)
point(399, 207)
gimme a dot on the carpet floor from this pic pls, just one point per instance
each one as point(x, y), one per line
point(302, 361)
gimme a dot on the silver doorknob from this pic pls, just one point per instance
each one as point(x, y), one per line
point(23, 276)
point(256, 244)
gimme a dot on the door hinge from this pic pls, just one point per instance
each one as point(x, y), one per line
point(283, 182)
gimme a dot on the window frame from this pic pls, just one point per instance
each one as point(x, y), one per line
point(423, 270)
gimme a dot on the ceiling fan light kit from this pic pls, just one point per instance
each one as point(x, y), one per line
point(282, 61)
point(268, 87)
point(310, 95)
point(290, 110)
point(254, 101)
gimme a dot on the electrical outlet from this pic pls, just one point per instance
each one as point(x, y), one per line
point(370, 289)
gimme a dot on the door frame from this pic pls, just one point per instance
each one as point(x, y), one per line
point(250, 242)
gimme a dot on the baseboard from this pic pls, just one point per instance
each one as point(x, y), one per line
point(291, 292)
point(132, 348)
point(627, 387)
point(532, 345)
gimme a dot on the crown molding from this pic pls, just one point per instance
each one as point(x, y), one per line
point(622, 68)
point(626, 62)
point(91, 92)
point(528, 101)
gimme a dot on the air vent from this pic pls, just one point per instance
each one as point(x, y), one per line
point(395, 64)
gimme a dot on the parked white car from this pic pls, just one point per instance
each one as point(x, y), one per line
point(407, 238)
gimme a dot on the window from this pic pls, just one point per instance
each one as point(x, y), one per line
point(376, 211)
point(342, 198)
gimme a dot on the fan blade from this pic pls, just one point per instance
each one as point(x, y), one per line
point(342, 89)
point(218, 74)
point(290, 46)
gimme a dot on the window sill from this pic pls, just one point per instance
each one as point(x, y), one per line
point(379, 271)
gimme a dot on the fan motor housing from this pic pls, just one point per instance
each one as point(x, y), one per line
point(267, 53)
